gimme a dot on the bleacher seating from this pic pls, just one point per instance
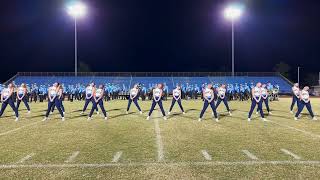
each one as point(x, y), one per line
point(285, 86)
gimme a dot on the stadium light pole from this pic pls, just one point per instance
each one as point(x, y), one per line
point(299, 75)
point(76, 10)
point(232, 13)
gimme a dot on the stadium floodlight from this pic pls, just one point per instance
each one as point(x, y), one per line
point(76, 10)
point(232, 13)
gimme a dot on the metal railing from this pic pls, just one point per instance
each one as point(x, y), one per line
point(149, 74)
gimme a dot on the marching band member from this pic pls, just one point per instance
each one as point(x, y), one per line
point(295, 97)
point(208, 96)
point(22, 96)
point(157, 95)
point(256, 100)
point(53, 101)
point(6, 98)
point(90, 90)
point(222, 97)
point(265, 95)
point(176, 98)
point(98, 100)
point(134, 97)
point(304, 99)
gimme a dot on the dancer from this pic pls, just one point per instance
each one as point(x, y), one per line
point(265, 98)
point(208, 96)
point(176, 98)
point(53, 101)
point(97, 100)
point(157, 95)
point(90, 90)
point(256, 100)
point(60, 99)
point(295, 97)
point(22, 96)
point(6, 98)
point(304, 101)
point(222, 97)
point(134, 97)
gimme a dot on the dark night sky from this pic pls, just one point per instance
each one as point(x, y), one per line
point(182, 35)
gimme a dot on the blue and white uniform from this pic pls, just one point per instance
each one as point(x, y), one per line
point(256, 100)
point(22, 97)
point(304, 101)
point(222, 97)
point(208, 96)
point(53, 101)
point(264, 98)
point(295, 97)
point(60, 100)
point(157, 95)
point(176, 98)
point(89, 98)
point(98, 100)
point(134, 97)
point(7, 99)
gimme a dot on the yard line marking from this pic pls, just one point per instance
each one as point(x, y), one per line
point(293, 128)
point(296, 129)
point(72, 157)
point(116, 157)
point(158, 140)
point(291, 154)
point(17, 129)
point(148, 164)
point(25, 158)
point(206, 155)
point(250, 155)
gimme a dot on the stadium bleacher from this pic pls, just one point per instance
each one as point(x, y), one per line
point(170, 81)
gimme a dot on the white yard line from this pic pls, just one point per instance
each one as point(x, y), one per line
point(72, 157)
point(25, 158)
point(17, 129)
point(116, 157)
point(293, 128)
point(291, 154)
point(158, 139)
point(250, 155)
point(296, 129)
point(208, 163)
point(206, 155)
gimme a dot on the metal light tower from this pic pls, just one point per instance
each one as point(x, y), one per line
point(76, 10)
point(232, 13)
point(299, 75)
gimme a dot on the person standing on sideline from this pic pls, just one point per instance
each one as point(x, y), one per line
point(22, 96)
point(134, 97)
point(222, 97)
point(304, 101)
point(208, 96)
point(256, 100)
point(157, 99)
point(53, 101)
point(295, 97)
point(6, 98)
point(176, 98)
point(90, 90)
point(98, 100)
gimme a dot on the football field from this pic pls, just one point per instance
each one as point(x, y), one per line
point(130, 147)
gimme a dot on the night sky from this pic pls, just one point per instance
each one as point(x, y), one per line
point(164, 35)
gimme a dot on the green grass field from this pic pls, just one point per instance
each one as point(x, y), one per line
point(130, 147)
